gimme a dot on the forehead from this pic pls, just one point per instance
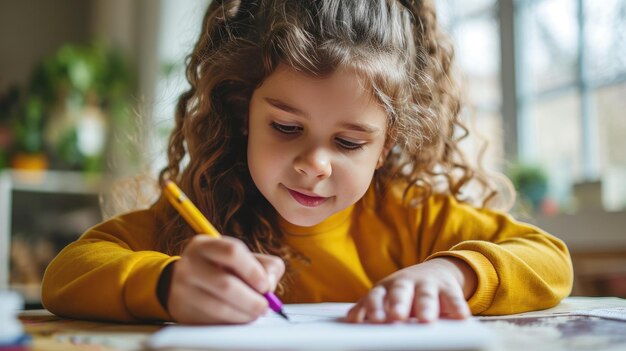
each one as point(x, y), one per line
point(342, 91)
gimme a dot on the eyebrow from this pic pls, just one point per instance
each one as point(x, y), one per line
point(359, 127)
point(286, 107)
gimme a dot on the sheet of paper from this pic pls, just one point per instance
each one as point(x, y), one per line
point(319, 327)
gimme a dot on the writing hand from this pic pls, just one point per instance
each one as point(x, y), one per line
point(220, 281)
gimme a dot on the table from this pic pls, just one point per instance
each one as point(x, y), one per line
point(573, 325)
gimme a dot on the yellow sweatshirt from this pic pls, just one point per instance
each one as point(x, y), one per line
point(112, 271)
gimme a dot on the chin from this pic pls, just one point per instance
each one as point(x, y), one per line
point(304, 220)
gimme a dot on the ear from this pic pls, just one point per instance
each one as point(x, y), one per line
point(383, 154)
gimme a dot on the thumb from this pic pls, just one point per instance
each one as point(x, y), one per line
point(274, 267)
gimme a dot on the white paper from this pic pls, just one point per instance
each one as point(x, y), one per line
point(319, 327)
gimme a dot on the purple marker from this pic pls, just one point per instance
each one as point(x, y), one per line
point(275, 304)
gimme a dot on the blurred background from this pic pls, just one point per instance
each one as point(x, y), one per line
point(88, 89)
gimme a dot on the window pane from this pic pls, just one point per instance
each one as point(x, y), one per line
point(609, 105)
point(555, 138)
point(463, 8)
point(548, 44)
point(451, 11)
point(478, 54)
point(605, 35)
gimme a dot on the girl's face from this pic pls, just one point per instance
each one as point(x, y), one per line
point(313, 143)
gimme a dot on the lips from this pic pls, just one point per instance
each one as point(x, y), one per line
point(307, 200)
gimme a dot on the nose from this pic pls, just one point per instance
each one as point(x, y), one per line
point(314, 163)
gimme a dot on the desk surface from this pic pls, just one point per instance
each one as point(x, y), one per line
point(564, 327)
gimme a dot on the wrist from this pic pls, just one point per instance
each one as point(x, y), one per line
point(164, 283)
point(463, 273)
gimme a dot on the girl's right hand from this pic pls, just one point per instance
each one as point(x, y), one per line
point(220, 281)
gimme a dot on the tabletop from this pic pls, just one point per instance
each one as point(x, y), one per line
point(578, 323)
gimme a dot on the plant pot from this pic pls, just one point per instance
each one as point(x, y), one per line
point(29, 162)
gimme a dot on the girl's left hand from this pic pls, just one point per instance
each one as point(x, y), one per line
point(426, 291)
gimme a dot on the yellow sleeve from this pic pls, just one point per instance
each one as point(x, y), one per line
point(519, 267)
point(110, 273)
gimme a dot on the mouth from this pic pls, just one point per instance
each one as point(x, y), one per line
point(308, 200)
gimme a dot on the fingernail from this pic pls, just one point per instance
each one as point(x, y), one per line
point(462, 307)
point(357, 316)
point(379, 315)
point(467, 311)
point(398, 310)
point(429, 314)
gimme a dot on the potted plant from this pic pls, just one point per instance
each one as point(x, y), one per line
point(74, 98)
point(531, 183)
point(30, 153)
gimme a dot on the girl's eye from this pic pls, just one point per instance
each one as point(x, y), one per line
point(286, 129)
point(348, 145)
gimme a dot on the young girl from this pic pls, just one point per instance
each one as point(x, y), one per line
point(320, 134)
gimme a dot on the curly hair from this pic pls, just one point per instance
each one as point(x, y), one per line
point(395, 46)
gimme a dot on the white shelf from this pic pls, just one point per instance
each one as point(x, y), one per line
point(44, 182)
point(66, 182)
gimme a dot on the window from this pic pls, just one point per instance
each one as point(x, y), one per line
point(565, 107)
point(571, 64)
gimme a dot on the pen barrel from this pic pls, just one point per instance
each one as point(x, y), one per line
point(188, 210)
point(273, 301)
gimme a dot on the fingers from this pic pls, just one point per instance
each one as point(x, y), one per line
point(400, 298)
point(400, 301)
point(453, 304)
point(214, 282)
point(201, 292)
point(231, 290)
point(374, 305)
point(197, 307)
point(232, 255)
point(356, 313)
point(384, 304)
point(274, 268)
point(370, 308)
point(426, 303)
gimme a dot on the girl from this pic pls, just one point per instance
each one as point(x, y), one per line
point(320, 134)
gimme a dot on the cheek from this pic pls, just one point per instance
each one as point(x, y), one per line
point(263, 157)
point(356, 175)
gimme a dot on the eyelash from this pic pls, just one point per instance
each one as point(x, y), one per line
point(348, 145)
point(291, 130)
point(286, 129)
